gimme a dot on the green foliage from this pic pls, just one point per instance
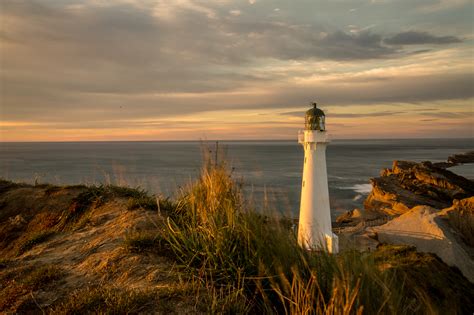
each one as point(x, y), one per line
point(33, 240)
point(246, 259)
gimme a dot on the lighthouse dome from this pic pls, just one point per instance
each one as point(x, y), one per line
point(315, 119)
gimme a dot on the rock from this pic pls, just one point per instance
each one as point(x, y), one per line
point(365, 241)
point(349, 216)
point(409, 184)
point(424, 228)
point(461, 218)
point(463, 158)
point(356, 216)
point(456, 159)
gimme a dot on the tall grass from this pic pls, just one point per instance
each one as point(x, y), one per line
point(235, 250)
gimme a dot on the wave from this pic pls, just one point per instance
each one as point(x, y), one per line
point(360, 188)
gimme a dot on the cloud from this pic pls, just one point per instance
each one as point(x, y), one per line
point(420, 38)
point(446, 115)
point(439, 5)
point(95, 61)
point(347, 115)
point(360, 45)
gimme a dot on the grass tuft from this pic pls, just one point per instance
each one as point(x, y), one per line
point(42, 276)
point(141, 241)
point(252, 263)
point(34, 240)
point(95, 196)
point(104, 301)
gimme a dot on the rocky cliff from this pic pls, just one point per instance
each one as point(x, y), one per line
point(410, 184)
point(419, 204)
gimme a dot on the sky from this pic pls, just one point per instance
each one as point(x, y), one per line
point(96, 70)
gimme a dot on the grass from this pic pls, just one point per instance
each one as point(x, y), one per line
point(23, 281)
point(252, 263)
point(242, 262)
point(4, 263)
point(42, 276)
point(142, 241)
point(34, 240)
point(119, 300)
point(443, 289)
point(99, 300)
point(94, 196)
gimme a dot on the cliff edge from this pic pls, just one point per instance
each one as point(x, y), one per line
point(419, 204)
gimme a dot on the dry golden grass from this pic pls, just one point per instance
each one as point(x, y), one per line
point(117, 256)
point(252, 263)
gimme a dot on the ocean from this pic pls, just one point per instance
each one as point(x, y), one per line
point(269, 170)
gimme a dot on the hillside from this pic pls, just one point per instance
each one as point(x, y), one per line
point(75, 249)
point(80, 249)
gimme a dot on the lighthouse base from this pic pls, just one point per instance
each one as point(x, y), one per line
point(328, 243)
point(332, 243)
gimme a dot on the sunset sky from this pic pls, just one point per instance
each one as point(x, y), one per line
point(80, 70)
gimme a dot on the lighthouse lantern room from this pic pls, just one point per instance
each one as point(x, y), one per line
point(314, 229)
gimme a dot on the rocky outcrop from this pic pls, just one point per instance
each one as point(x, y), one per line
point(422, 205)
point(456, 159)
point(461, 218)
point(426, 229)
point(409, 184)
point(462, 158)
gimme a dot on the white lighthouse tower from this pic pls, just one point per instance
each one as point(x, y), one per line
point(314, 230)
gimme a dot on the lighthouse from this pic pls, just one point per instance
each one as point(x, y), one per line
point(314, 229)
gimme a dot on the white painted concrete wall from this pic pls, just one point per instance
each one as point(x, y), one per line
point(314, 230)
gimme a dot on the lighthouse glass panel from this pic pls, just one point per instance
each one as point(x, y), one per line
point(315, 123)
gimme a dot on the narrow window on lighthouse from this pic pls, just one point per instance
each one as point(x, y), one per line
point(303, 183)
